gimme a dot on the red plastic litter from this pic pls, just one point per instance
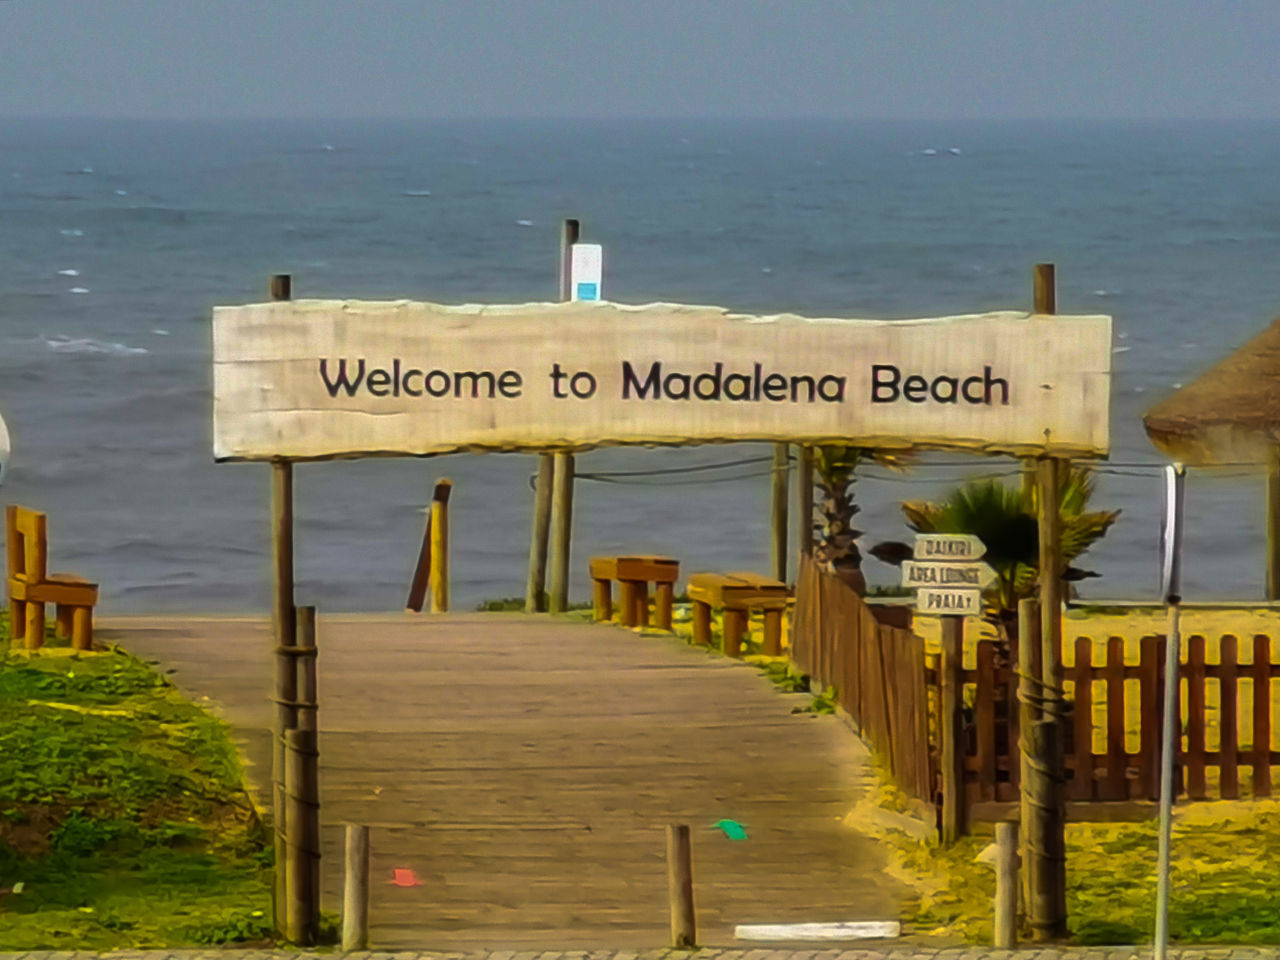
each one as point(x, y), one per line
point(404, 877)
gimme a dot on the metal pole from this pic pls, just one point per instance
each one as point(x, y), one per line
point(1172, 577)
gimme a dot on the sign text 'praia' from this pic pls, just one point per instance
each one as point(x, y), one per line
point(399, 378)
point(310, 379)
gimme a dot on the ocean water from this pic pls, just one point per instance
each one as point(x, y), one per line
point(117, 238)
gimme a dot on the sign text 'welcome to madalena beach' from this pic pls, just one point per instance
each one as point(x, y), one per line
point(312, 379)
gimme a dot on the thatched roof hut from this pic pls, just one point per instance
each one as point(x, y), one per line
point(1230, 413)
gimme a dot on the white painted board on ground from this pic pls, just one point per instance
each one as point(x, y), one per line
point(855, 930)
point(950, 573)
point(948, 546)
point(948, 601)
point(586, 271)
point(319, 379)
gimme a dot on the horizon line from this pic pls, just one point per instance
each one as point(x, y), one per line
point(638, 117)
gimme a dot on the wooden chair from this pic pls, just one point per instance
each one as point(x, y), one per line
point(635, 573)
point(738, 594)
point(31, 586)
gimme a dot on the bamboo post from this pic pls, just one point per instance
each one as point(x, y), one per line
point(684, 928)
point(804, 502)
point(355, 889)
point(561, 531)
point(535, 594)
point(302, 786)
point(954, 815)
point(440, 546)
point(283, 630)
point(1273, 524)
point(778, 510)
point(1006, 905)
point(1029, 695)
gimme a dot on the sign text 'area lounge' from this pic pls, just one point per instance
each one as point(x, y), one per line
point(314, 379)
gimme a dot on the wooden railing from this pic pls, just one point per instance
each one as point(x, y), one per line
point(876, 667)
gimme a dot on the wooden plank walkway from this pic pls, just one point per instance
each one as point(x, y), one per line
point(525, 769)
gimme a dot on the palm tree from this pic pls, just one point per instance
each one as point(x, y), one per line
point(835, 471)
point(1003, 517)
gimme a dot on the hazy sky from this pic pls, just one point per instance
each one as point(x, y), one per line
point(574, 58)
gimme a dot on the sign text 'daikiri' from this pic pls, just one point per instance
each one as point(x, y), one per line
point(312, 379)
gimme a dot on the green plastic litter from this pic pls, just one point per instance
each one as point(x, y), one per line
point(732, 829)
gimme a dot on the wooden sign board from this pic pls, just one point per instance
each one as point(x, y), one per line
point(962, 573)
point(947, 601)
point(318, 379)
point(948, 546)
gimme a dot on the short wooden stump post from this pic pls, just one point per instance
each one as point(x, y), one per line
point(684, 926)
point(634, 574)
point(739, 594)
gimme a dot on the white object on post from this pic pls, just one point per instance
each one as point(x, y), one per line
point(586, 271)
point(4, 449)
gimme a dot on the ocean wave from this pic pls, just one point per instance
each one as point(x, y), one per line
point(87, 345)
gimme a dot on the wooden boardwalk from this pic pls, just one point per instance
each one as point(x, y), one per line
point(525, 769)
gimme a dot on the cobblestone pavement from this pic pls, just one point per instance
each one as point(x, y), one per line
point(893, 952)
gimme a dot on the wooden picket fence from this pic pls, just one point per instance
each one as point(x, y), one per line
point(887, 683)
point(876, 664)
point(1114, 702)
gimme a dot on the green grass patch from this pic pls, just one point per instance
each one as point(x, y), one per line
point(1224, 885)
point(122, 812)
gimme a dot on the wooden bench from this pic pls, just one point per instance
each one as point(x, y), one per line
point(31, 586)
point(738, 594)
point(634, 573)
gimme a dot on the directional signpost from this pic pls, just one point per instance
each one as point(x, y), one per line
point(948, 574)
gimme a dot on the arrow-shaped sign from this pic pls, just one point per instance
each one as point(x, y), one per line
point(973, 574)
point(949, 602)
point(948, 546)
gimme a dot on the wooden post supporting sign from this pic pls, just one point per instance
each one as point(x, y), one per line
point(302, 789)
point(1049, 908)
point(954, 813)
point(804, 501)
point(561, 513)
point(778, 511)
point(1044, 295)
point(535, 594)
point(283, 631)
point(561, 531)
point(1029, 697)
